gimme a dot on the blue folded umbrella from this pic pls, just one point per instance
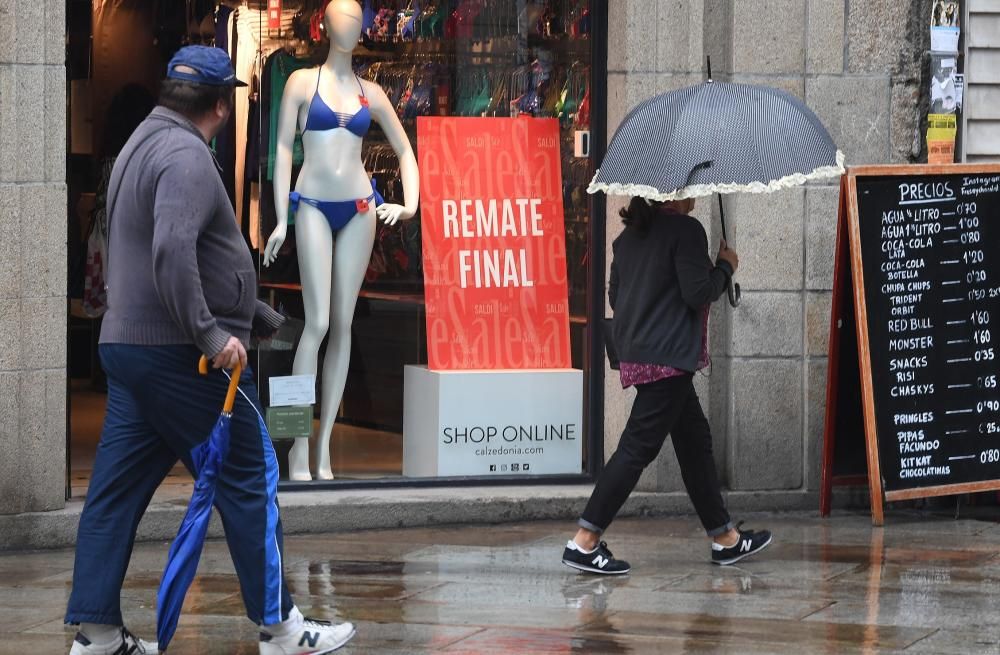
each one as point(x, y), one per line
point(185, 551)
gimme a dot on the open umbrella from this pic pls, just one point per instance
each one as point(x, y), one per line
point(717, 137)
point(185, 551)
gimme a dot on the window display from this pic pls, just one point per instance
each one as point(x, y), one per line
point(334, 204)
point(334, 166)
point(331, 138)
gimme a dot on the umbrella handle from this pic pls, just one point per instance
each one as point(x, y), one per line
point(234, 383)
point(734, 293)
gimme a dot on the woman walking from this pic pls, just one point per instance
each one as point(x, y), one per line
point(662, 285)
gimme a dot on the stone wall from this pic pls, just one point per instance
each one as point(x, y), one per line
point(32, 255)
point(858, 65)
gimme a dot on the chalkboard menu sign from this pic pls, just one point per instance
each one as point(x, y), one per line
point(925, 282)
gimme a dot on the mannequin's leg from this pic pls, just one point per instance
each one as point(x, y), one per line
point(314, 243)
point(351, 255)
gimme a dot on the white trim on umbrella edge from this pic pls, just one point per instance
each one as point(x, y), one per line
point(702, 190)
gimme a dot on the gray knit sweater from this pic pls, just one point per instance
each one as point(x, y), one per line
point(178, 270)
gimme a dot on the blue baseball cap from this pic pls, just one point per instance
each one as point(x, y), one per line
point(208, 65)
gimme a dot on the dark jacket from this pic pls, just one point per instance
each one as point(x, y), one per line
point(178, 269)
point(660, 282)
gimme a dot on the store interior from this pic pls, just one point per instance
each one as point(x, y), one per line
point(529, 58)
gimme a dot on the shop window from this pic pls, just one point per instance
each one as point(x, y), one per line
point(487, 58)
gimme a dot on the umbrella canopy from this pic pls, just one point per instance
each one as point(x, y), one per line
point(717, 137)
point(185, 551)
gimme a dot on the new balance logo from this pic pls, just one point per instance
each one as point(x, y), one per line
point(311, 637)
point(745, 546)
point(600, 561)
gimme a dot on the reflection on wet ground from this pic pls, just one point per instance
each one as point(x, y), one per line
point(923, 584)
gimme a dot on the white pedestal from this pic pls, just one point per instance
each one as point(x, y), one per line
point(458, 423)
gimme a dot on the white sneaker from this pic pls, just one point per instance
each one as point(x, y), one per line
point(127, 644)
point(315, 638)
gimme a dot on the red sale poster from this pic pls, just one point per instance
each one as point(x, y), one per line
point(494, 243)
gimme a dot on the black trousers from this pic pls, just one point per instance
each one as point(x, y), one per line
point(666, 406)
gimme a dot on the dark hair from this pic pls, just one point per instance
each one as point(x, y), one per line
point(639, 214)
point(193, 100)
point(128, 108)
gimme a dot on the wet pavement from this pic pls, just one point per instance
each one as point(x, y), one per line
point(924, 584)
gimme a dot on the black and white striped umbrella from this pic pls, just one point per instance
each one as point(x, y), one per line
point(717, 137)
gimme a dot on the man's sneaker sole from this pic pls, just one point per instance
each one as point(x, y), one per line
point(591, 569)
point(733, 560)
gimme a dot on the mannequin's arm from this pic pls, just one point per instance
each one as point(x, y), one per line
point(385, 114)
point(287, 119)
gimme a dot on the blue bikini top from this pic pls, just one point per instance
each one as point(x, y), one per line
point(321, 118)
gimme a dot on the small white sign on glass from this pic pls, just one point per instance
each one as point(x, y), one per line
point(292, 390)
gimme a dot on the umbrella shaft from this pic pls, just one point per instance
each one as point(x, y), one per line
point(722, 219)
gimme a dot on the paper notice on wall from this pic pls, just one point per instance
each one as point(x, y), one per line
point(944, 39)
point(959, 90)
point(944, 95)
point(941, 132)
point(945, 26)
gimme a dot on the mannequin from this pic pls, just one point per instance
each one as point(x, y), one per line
point(335, 209)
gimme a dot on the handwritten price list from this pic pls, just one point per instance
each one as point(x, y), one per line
point(931, 252)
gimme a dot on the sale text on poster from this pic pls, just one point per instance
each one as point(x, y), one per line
point(494, 243)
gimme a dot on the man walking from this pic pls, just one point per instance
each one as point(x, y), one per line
point(181, 283)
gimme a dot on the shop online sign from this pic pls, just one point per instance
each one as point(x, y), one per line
point(494, 243)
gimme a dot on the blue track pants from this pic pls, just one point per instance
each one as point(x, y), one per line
point(159, 409)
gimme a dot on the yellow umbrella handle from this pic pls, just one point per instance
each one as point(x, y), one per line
point(234, 383)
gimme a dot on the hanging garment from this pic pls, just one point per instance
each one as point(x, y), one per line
point(225, 141)
point(251, 191)
point(367, 18)
point(122, 34)
point(250, 28)
point(278, 69)
point(95, 297)
point(222, 27)
point(582, 120)
point(243, 59)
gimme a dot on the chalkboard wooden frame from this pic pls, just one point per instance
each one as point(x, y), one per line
point(832, 471)
point(849, 184)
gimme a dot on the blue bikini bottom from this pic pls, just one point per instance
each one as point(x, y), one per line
point(338, 213)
